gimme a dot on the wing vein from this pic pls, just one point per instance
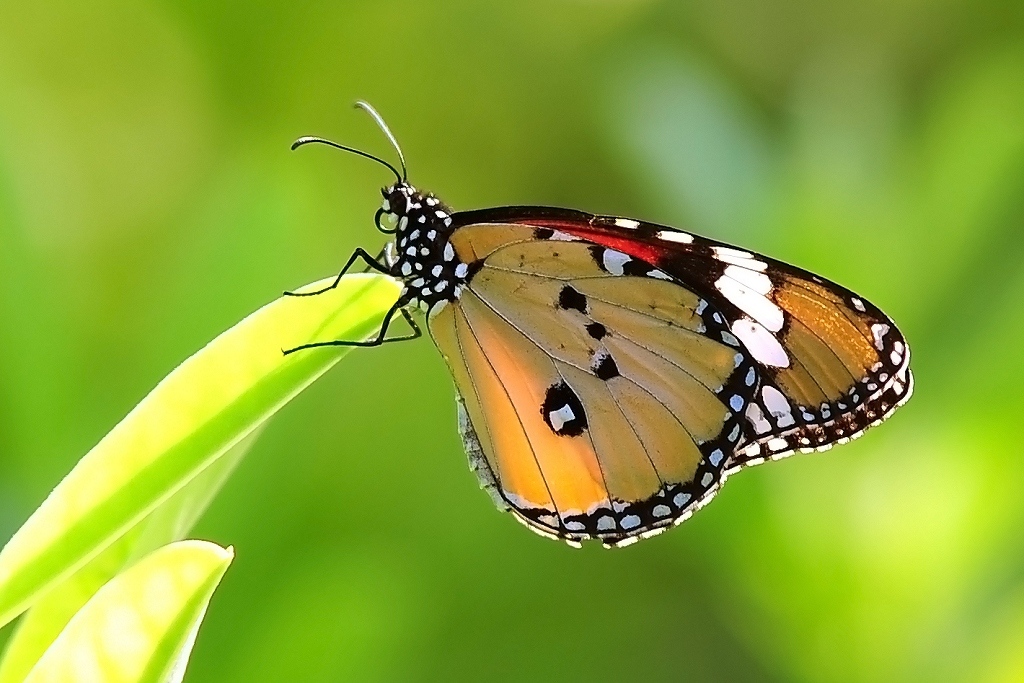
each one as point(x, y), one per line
point(533, 451)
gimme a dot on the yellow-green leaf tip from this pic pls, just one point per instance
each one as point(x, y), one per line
point(140, 626)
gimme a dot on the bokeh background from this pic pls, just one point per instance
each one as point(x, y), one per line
point(148, 201)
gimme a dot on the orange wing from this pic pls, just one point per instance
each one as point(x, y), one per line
point(591, 405)
point(829, 363)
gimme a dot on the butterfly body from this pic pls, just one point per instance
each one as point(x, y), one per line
point(420, 254)
point(611, 374)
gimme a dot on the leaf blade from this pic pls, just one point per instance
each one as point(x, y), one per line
point(199, 411)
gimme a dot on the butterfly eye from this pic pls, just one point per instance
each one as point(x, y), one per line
point(398, 202)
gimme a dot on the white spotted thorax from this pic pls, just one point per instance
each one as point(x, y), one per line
point(420, 254)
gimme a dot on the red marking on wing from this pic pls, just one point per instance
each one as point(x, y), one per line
point(607, 237)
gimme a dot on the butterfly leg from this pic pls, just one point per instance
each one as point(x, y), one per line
point(359, 253)
point(381, 337)
point(377, 259)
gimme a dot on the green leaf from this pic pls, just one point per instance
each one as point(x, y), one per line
point(204, 407)
point(139, 627)
point(171, 521)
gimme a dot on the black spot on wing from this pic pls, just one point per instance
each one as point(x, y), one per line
point(563, 411)
point(604, 367)
point(543, 233)
point(597, 331)
point(636, 267)
point(570, 299)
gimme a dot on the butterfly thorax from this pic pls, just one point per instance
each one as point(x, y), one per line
point(420, 254)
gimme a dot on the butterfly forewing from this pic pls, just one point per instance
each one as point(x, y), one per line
point(829, 363)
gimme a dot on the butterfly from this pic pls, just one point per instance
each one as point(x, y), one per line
point(611, 373)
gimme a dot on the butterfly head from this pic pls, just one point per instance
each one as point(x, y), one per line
point(406, 209)
point(398, 201)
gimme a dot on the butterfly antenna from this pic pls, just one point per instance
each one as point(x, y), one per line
point(306, 140)
point(379, 120)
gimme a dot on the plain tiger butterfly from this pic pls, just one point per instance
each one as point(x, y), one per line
point(612, 373)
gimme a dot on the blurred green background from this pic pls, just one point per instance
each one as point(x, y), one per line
point(148, 201)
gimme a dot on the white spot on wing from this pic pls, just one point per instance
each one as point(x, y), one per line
point(758, 282)
point(614, 260)
point(750, 301)
point(559, 417)
point(775, 401)
point(739, 258)
point(674, 236)
point(630, 521)
point(756, 418)
point(761, 343)
point(778, 406)
point(728, 252)
point(878, 331)
point(627, 223)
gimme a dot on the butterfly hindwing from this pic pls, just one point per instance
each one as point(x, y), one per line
point(598, 409)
